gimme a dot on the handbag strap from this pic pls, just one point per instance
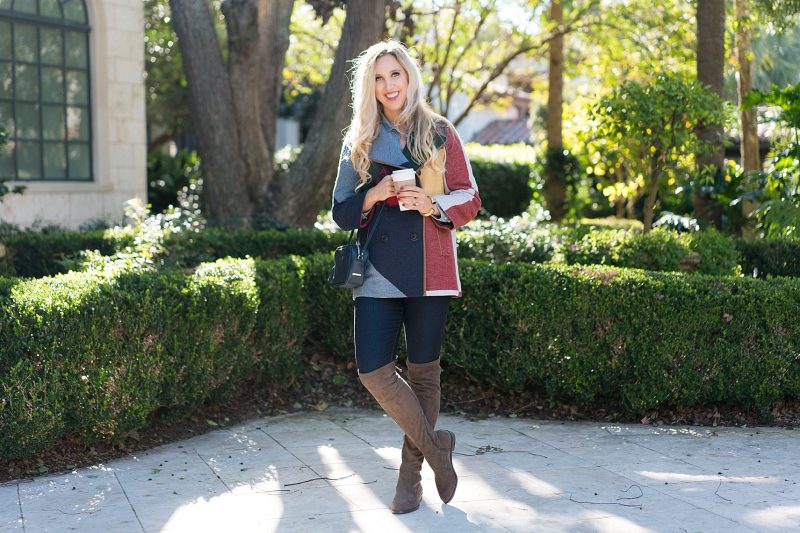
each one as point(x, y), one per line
point(370, 232)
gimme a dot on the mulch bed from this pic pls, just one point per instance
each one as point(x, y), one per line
point(331, 383)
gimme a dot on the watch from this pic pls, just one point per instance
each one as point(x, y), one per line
point(433, 208)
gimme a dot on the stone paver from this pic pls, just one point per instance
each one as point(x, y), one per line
point(515, 475)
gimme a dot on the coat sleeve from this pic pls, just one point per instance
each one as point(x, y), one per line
point(461, 201)
point(347, 203)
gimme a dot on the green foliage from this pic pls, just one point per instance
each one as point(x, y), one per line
point(657, 250)
point(98, 355)
point(705, 252)
point(505, 177)
point(624, 337)
point(769, 257)
point(713, 253)
point(38, 254)
point(167, 176)
point(567, 168)
point(148, 234)
point(652, 129)
point(779, 186)
point(167, 95)
point(499, 242)
point(187, 249)
point(780, 12)
point(330, 309)
point(4, 189)
point(594, 248)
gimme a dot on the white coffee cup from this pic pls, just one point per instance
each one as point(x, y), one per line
point(401, 178)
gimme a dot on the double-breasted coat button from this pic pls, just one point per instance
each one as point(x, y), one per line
point(414, 237)
point(385, 237)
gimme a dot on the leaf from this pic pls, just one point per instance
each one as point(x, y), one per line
point(211, 422)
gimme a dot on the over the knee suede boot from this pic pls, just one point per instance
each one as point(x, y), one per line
point(401, 404)
point(424, 381)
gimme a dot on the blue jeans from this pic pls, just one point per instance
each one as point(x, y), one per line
point(377, 324)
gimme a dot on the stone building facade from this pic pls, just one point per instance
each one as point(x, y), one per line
point(72, 102)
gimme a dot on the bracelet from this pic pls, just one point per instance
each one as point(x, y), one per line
point(433, 208)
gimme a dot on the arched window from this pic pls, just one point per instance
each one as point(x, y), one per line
point(45, 92)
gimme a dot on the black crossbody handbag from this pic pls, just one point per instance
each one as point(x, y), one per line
point(350, 260)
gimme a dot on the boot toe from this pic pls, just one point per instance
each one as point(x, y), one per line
point(407, 501)
point(447, 481)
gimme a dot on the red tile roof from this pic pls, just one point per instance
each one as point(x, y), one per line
point(504, 132)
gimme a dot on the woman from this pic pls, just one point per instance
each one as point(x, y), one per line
point(412, 272)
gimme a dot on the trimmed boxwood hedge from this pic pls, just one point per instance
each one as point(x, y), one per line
point(36, 255)
point(704, 252)
point(98, 355)
point(770, 257)
point(630, 338)
point(43, 254)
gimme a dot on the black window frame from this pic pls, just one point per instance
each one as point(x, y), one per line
point(43, 21)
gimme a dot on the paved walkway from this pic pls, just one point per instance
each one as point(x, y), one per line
point(515, 475)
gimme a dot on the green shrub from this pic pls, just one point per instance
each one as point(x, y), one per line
point(632, 339)
point(282, 324)
point(46, 254)
point(629, 224)
point(656, 250)
point(704, 252)
point(505, 177)
point(189, 248)
point(99, 354)
point(499, 242)
point(769, 257)
point(716, 253)
point(167, 175)
point(330, 309)
point(596, 247)
point(36, 254)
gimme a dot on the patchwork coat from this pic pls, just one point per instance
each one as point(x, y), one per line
point(409, 255)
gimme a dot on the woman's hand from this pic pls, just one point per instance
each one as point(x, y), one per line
point(416, 199)
point(379, 193)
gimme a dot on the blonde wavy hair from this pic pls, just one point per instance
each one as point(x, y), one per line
point(417, 120)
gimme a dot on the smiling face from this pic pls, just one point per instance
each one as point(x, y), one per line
point(391, 85)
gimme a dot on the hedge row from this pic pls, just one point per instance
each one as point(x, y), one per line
point(706, 252)
point(38, 255)
point(769, 257)
point(630, 338)
point(99, 355)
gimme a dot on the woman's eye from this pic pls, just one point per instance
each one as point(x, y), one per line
point(395, 74)
point(378, 78)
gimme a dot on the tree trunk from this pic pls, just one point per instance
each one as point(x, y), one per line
point(246, 22)
point(751, 159)
point(555, 189)
point(235, 111)
point(273, 46)
point(305, 190)
point(213, 114)
point(748, 148)
point(650, 201)
point(710, 71)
